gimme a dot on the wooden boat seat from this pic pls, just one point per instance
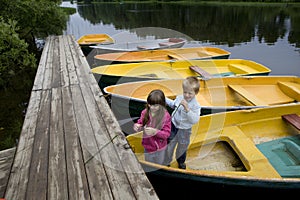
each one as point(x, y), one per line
point(175, 40)
point(291, 89)
point(292, 119)
point(247, 95)
point(200, 71)
point(171, 41)
point(241, 69)
point(166, 43)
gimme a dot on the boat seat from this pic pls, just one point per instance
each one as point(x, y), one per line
point(292, 119)
point(247, 95)
point(173, 56)
point(166, 43)
point(175, 40)
point(201, 72)
point(291, 89)
point(241, 69)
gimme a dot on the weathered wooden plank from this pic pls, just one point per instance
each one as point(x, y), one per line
point(56, 65)
point(48, 71)
point(6, 160)
point(57, 174)
point(38, 82)
point(18, 180)
point(292, 119)
point(96, 174)
point(77, 182)
point(111, 162)
point(63, 63)
point(206, 75)
point(37, 179)
point(70, 63)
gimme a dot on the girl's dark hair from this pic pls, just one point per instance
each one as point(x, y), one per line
point(156, 97)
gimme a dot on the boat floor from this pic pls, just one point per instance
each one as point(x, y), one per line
point(217, 157)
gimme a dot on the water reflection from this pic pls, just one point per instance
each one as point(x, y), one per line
point(269, 35)
point(217, 24)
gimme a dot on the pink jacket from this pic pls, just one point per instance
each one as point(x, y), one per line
point(159, 141)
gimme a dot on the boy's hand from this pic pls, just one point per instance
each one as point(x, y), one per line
point(184, 103)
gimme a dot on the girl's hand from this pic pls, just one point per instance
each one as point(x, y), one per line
point(137, 127)
point(150, 131)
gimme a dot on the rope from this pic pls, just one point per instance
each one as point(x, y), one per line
point(111, 141)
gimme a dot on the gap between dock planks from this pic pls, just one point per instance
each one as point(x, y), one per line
point(71, 145)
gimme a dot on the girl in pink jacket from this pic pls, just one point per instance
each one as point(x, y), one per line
point(155, 121)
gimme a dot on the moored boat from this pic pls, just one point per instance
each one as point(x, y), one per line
point(128, 72)
point(142, 45)
point(88, 40)
point(93, 39)
point(189, 53)
point(215, 95)
point(255, 150)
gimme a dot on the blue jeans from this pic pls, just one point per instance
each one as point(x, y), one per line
point(181, 138)
point(157, 157)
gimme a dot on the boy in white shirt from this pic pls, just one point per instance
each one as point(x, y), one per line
point(186, 113)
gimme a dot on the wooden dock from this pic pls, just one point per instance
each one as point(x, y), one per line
point(71, 145)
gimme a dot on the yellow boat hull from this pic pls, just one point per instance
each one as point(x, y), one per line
point(93, 39)
point(121, 73)
point(216, 94)
point(227, 148)
point(193, 53)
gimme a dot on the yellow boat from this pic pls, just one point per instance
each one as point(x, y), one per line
point(93, 39)
point(255, 150)
point(215, 95)
point(129, 72)
point(191, 53)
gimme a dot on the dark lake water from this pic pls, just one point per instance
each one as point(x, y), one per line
point(269, 35)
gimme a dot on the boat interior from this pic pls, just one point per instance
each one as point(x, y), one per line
point(269, 149)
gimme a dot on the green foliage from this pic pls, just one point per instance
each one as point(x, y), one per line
point(38, 18)
point(17, 67)
point(69, 11)
point(14, 56)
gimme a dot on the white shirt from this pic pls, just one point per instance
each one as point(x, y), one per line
point(180, 118)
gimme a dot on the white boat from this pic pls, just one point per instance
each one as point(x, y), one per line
point(142, 45)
